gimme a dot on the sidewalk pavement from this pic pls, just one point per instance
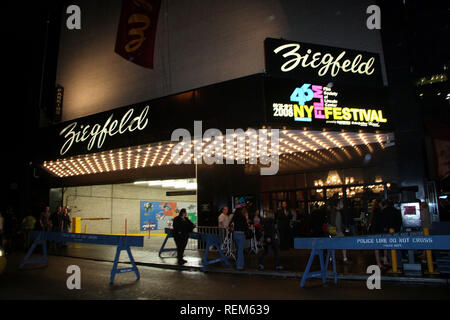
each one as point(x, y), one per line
point(294, 261)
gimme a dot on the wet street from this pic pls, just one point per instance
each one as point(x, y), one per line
point(35, 282)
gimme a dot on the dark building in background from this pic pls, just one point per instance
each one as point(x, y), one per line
point(30, 43)
point(417, 62)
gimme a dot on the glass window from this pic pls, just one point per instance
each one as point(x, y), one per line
point(266, 200)
point(315, 204)
point(301, 209)
point(375, 188)
point(316, 179)
point(353, 176)
point(316, 194)
point(335, 193)
point(300, 181)
point(300, 195)
point(354, 192)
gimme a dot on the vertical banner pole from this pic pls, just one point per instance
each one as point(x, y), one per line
point(426, 232)
point(394, 257)
point(149, 228)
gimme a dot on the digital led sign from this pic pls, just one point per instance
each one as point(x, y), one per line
point(309, 104)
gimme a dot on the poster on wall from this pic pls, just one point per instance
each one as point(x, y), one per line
point(165, 220)
point(151, 211)
point(158, 215)
point(191, 208)
point(248, 201)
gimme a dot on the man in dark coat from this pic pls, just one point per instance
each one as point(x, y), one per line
point(56, 219)
point(182, 226)
point(283, 220)
point(271, 241)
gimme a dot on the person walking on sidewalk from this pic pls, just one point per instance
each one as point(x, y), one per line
point(336, 224)
point(271, 241)
point(182, 226)
point(240, 229)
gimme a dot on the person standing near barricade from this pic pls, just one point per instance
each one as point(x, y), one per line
point(393, 220)
point(283, 219)
point(377, 225)
point(56, 220)
point(271, 241)
point(182, 226)
point(348, 218)
point(44, 219)
point(66, 220)
point(56, 224)
point(224, 218)
point(258, 225)
point(244, 211)
point(240, 229)
point(335, 220)
point(393, 216)
point(28, 224)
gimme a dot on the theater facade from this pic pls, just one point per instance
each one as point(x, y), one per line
point(320, 113)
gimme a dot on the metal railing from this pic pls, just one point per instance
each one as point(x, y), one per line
point(227, 242)
point(221, 232)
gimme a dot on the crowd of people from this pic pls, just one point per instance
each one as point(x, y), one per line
point(272, 231)
point(15, 231)
point(277, 229)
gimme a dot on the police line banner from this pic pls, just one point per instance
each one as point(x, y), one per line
point(135, 241)
point(399, 242)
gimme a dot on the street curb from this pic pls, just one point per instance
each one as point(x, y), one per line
point(398, 279)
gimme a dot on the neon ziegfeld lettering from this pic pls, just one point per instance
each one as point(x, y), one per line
point(325, 62)
point(99, 133)
point(326, 108)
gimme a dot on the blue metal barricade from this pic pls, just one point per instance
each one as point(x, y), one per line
point(375, 242)
point(123, 243)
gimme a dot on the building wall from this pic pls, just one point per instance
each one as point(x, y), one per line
point(198, 42)
point(117, 202)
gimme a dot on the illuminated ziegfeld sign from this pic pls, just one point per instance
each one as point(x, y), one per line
point(94, 135)
point(317, 105)
point(295, 59)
